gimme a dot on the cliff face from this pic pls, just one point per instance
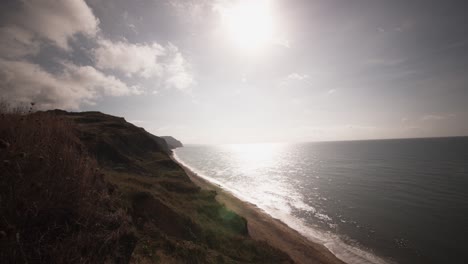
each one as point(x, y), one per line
point(174, 221)
point(172, 142)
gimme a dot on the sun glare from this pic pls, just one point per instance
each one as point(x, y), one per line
point(249, 24)
point(255, 155)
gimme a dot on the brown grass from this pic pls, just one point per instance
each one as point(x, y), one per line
point(54, 204)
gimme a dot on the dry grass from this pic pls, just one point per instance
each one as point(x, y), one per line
point(54, 204)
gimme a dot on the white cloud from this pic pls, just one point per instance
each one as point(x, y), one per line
point(133, 28)
point(331, 91)
point(177, 71)
point(297, 76)
point(56, 21)
point(146, 60)
point(27, 82)
point(294, 77)
point(141, 59)
point(192, 10)
point(96, 81)
point(45, 21)
point(41, 22)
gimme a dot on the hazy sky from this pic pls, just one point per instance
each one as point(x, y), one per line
point(215, 71)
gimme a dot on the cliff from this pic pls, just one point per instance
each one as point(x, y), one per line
point(172, 142)
point(100, 189)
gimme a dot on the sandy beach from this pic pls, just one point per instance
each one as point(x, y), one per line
point(265, 228)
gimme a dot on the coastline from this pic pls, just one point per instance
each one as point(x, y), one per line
point(263, 227)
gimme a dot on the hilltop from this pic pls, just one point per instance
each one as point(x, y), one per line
point(91, 187)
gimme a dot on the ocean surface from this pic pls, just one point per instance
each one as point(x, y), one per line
point(383, 201)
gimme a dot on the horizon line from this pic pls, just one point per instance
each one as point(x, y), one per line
point(329, 141)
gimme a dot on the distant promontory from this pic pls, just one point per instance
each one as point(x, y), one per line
point(172, 142)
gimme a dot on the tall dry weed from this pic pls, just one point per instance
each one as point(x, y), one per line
point(54, 203)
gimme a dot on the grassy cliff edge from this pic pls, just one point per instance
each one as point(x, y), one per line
point(90, 187)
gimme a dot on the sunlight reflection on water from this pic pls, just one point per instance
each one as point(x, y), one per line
point(277, 178)
point(356, 198)
point(253, 157)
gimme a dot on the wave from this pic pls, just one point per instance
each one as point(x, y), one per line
point(281, 210)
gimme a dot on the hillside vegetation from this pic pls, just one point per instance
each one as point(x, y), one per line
point(93, 188)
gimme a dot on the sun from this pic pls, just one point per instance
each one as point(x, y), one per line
point(249, 24)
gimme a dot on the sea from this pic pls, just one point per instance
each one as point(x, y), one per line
point(376, 201)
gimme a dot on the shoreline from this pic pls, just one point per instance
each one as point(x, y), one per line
point(263, 227)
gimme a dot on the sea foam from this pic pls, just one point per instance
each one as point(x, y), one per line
point(281, 206)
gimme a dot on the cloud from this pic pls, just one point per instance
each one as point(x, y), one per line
point(23, 81)
point(41, 23)
point(55, 21)
point(167, 64)
point(192, 10)
point(17, 42)
point(294, 77)
point(297, 76)
point(436, 117)
point(96, 81)
point(331, 91)
point(141, 59)
point(177, 71)
point(133, 28)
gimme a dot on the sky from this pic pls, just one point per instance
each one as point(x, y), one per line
point(219, 71)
